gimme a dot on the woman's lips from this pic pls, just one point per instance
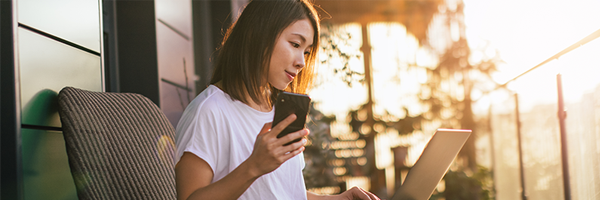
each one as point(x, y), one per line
point(290, 75)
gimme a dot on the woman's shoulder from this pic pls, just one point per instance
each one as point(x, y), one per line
point(212, 93)
point(206, 107)
point(211, 98)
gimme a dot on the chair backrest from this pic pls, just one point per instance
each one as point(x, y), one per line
point(120, 145)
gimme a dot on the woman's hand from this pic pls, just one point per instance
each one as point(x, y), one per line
point(357, 193)
point(269, 152)
point(351, 194)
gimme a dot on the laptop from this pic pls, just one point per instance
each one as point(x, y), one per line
point(432, 165)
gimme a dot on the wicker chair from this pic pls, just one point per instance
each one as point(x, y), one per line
point(120, 145)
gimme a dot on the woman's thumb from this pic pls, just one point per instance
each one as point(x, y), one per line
point(265, 129)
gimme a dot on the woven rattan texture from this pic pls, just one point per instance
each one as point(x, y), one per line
point(120, 145)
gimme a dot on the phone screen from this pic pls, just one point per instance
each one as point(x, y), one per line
point(288, 103)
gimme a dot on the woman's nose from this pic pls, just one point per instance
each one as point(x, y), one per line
point(299, 61)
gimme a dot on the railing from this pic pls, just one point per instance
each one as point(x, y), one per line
point(528, 116)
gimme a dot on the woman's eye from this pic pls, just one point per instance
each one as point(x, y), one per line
point(295, 45)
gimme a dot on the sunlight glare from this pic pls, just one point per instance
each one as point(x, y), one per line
point(525, 39)
point(331, 95)
point(399, 68)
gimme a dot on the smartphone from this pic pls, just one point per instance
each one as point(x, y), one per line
point(286, 104)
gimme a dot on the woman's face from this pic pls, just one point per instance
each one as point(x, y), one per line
point(288, 57)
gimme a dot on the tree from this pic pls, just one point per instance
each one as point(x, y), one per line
point(450, 82)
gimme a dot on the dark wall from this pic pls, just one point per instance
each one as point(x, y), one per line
point(9, 128)
point(211, 19)
point(130, 48)
point(111, 64)
point(130, 61)
point(130, 64)
point(203, 46)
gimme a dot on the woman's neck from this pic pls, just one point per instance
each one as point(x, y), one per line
point(260, 107)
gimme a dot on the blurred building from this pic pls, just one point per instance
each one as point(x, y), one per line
point(158, 48)
point(387, 57)
point(524, 146)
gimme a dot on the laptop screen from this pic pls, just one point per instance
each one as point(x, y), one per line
point(432, 165)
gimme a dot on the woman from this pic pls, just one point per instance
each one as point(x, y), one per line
point(226, 147)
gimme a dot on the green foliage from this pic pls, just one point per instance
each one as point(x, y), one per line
point(404, 126)
point(460, 186)
point(335, 44)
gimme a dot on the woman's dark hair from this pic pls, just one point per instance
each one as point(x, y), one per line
point(242, 64)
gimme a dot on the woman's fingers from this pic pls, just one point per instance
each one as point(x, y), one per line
point(362, 194)
point(269, 151)
point(371, 195)
point(291, 137)
point(283, 153)
point(281, 125)
point(293, 146)
point(291, 154)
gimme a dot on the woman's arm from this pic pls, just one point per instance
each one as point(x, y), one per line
point(193, 175)
point(351, 194)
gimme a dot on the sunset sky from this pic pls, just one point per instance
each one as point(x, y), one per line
point(525, 33)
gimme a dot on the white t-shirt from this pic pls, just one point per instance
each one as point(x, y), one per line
point(222, 132)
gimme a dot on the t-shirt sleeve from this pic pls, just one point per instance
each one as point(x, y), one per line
point(197, 133)
point(302, 161)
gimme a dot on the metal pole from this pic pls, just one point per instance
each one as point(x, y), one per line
point(593, 36)
point(366, 50)
point(521, 169)
point(493, 150)
point(562, 115)
point(376, 182)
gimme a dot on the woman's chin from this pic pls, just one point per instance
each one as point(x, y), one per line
point(282, 86)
